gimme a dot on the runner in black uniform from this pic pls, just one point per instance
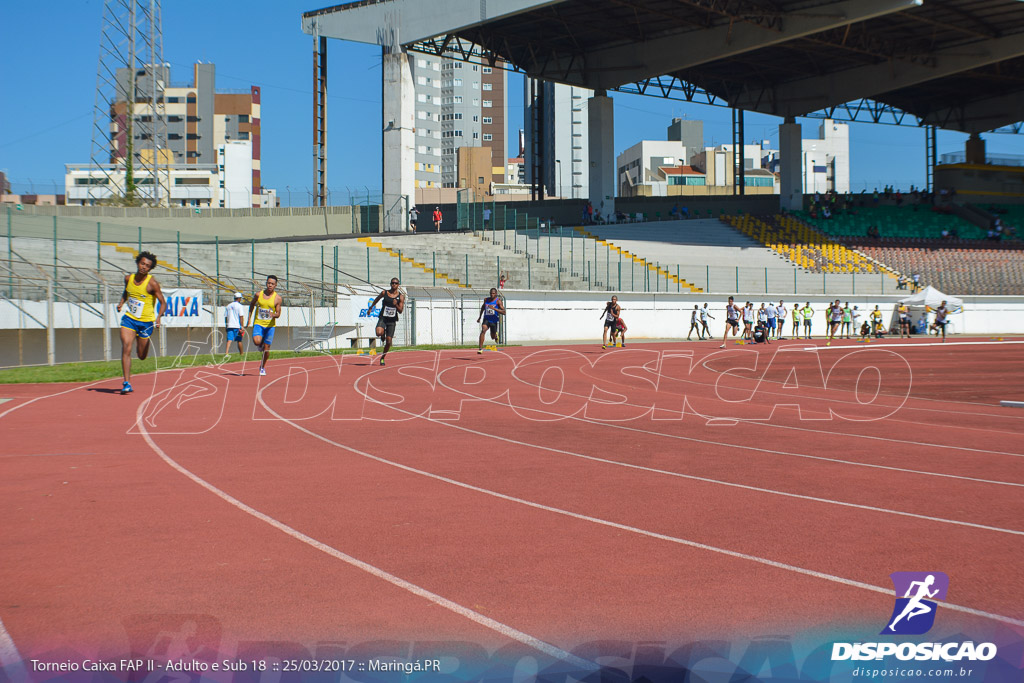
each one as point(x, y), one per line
point(610, 314)
point(732, 322)
point(392, 303)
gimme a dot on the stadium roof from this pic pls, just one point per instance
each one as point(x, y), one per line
point(956, 64)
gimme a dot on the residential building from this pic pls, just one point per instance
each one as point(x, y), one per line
point(826, 159)
point(562, 138)
point(199, 122)
point(458, 104)
point(640, 164)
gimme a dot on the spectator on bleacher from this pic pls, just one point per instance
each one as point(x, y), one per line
point(674, 213)
point(873, 232)
point(917, 282)
point(487, 218)
point(945, 234)
point(875, 196)
point(808, 315)
point(502, 280)
point(590, 213)
point(901, 281)
point(685, 212)
point(899, 198)
point(826, 213)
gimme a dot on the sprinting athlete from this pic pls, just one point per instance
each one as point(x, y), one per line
point(392, 304)
point(141, 317)
point(610, 313)
point(489, 311)
point(695, 324)
point(267, 305)
point(808, 316)
point(835, 316)
point(732, 320)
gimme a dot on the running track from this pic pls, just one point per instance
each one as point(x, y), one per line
point(241, 508)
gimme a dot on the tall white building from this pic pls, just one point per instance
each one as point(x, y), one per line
point(458, 104)
point(564, 138)
point(826, 159)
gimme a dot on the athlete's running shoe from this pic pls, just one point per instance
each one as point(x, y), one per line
point(262, 372)
point(479, 350)
point(604, 346)
point(382, 361)
point(126, 388)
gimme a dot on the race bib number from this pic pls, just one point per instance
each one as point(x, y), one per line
point(266, 313)
point(135, 307)
point(390, 312)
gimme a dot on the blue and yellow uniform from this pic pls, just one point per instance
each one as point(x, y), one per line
point(265, 322)
point(140, 308)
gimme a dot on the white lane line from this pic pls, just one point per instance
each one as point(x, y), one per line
point(431, 597)
point(680, 475)
point(933, 345)
point(10, 659)
point(623, 527)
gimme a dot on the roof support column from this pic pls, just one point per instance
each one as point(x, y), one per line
point(399, 162)
point(601, 122)
point(791, 187)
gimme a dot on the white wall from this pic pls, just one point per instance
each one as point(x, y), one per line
point(236, 158)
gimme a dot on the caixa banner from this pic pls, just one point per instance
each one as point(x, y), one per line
point(185, 305)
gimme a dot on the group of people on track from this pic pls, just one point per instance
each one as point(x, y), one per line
point(142, 316)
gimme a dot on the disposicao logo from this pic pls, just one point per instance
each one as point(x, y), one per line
point(914, 612)
point(917, 596)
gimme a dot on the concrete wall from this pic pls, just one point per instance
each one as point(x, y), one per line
point(444, 316)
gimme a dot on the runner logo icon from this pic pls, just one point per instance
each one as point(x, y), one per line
point(917, 594)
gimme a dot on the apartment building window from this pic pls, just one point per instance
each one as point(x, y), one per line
point(476, 86)
point(421, 97)
point(488, 137)
point(487, 119)
point(475, 118)
point(487, 69)
point(458, 100)
point(243, 118)
point(421, 80)
point(458, 133)
point(457, 82)
point(458, 116)
point(476, 135)
point(244, 135)
point(421, 63)
point(476, 102)
point(488, 86)
point(486, 103)
point(475, 67)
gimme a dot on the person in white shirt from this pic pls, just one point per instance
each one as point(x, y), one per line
point(695, 324)
point(233, 314)
point(748, 321)
point(781, 314)
point(704, 315)
point(770, 308)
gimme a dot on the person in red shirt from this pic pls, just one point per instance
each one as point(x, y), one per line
point(437, 219)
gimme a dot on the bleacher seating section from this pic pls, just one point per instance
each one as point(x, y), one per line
point(957, 270)
point(893, 222)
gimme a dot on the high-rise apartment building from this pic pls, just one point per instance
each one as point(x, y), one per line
point(458, 104)
point(199, 120)
point(207, 153)
point(563, 138)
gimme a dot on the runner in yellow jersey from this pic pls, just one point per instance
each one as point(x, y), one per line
point(267, 305)
point(141, 316)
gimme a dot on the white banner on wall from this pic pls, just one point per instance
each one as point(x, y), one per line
point(183, 304)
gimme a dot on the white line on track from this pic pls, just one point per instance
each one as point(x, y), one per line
point(10, 659)
point(934, 346)
point(624, 527)
point(680, 475)
point(830, 434)
point(430, 596)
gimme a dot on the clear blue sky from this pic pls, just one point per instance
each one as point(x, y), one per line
point(49, 53)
